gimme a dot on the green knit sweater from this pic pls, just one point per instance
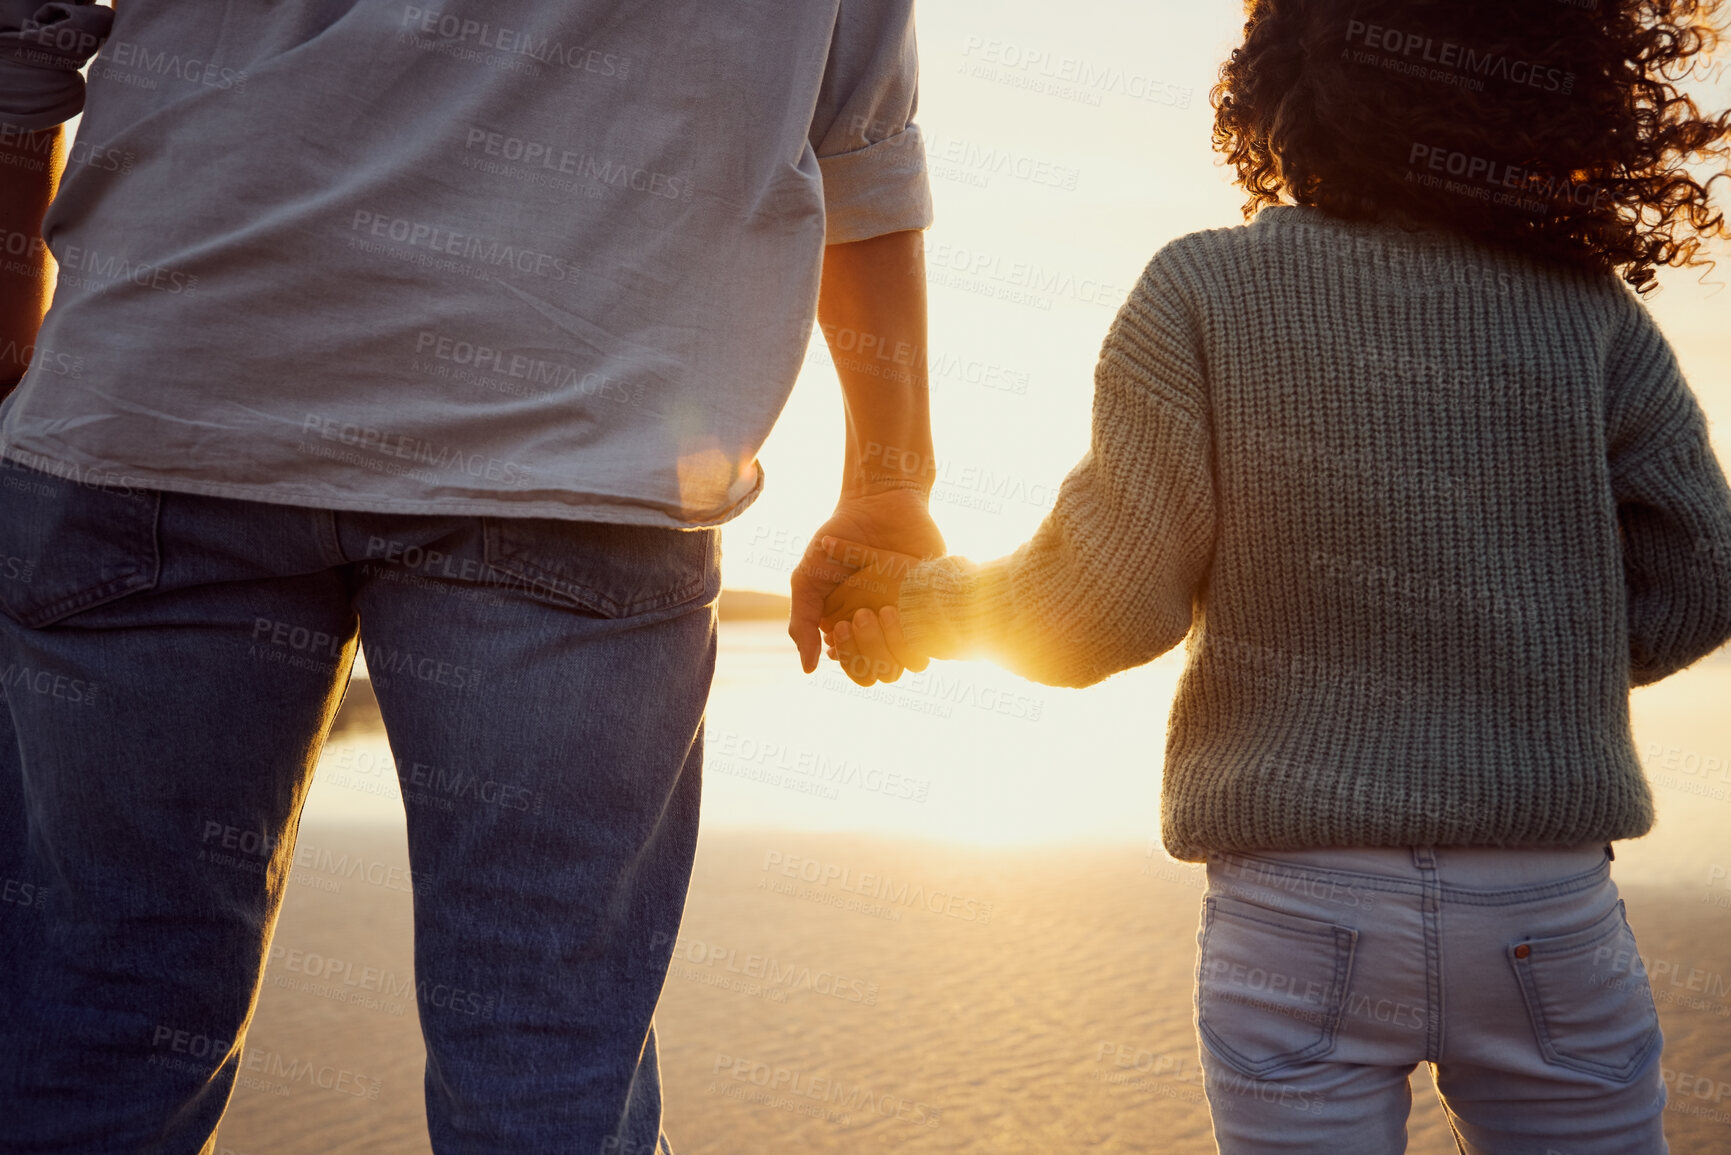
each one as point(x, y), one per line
point(1425, 509)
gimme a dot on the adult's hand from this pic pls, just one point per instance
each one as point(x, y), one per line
point(897, 521)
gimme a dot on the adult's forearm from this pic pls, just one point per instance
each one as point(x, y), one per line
point(30, 164)
point(872, 310)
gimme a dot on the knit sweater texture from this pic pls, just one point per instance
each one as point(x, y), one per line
point(1424, 509)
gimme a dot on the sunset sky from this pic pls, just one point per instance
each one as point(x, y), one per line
point(1067, 143)
point(1075, 187)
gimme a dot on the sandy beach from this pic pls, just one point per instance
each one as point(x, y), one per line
point(1020, 997)
point(1055, 1019)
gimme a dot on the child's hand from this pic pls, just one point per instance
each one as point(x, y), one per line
point(874, 581)
point(861, 619)
point(870, 647)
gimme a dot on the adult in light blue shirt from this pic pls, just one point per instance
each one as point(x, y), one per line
point(454, 329)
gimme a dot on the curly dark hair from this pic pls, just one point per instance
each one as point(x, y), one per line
point(1555, 126)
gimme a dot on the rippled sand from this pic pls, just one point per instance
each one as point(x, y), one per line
point(1012, 1001)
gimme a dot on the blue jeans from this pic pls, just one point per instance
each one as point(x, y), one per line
point(1325, 976)
point(171, 666)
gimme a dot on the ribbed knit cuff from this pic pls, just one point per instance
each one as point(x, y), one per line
point(948, 606)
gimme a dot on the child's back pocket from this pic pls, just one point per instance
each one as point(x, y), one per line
point(1270, 987)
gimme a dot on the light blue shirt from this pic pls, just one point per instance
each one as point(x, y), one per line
point(495, 258)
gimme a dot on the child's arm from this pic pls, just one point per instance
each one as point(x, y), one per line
point(1673, 506)
point(1110, 577)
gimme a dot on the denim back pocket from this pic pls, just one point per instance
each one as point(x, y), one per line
point(611, 571)
point(1589, 999)
point(67, 547)
point(1270, 987)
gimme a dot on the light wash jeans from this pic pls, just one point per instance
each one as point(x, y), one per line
point(1325, 976)
point(171, 666)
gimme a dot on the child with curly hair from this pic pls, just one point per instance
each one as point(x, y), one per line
point(1419, 479)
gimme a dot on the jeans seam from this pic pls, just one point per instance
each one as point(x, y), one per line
point(328, 537)
point(517, 563)
point(1430, 908)
point(1586, 880)
point(1368, 881)
point(1583, 881)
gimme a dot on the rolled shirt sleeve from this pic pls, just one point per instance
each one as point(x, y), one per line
point(868, 147)
point(42, 48)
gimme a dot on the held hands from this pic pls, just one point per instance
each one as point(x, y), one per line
point(862, 618)
point(885, 531)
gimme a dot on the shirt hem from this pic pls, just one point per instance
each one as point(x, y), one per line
point(583, 507)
